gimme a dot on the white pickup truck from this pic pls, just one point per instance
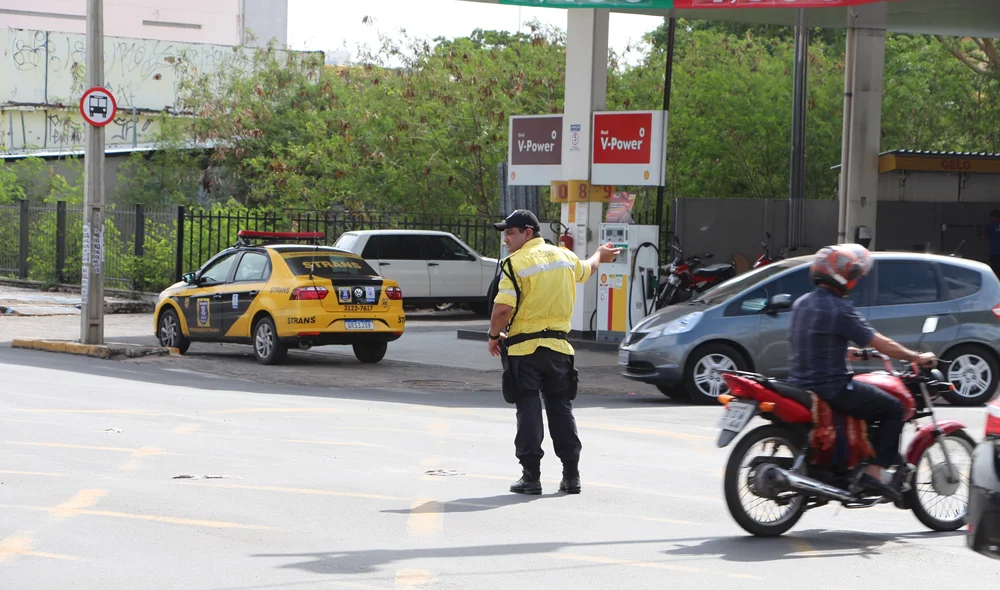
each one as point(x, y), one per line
point(431, 267)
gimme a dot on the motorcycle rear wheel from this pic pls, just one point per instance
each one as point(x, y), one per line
point(931, 477)
point(734, 489)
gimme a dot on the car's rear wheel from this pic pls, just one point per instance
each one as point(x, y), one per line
point(169, 333)
point(703, 373)
point(267, 349)
point(973, 372)
point(370, 352)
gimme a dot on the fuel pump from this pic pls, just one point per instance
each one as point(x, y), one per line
point(626, 288)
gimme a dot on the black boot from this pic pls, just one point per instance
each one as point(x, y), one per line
point(530, 483)
point(570, 481)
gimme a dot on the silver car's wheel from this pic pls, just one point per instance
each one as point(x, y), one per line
point(974, 375)
point(703, 376)
point(708, 374)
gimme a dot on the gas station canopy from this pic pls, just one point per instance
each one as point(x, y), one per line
point(950, 18)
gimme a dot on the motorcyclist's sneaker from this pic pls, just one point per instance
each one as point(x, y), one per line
point(901, 477)
point(530, 483)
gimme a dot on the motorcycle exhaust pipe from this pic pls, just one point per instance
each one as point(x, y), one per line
point(778, 477)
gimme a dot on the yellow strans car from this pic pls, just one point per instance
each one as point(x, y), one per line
point(276, 295)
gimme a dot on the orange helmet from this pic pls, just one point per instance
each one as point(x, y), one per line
point(840, 267)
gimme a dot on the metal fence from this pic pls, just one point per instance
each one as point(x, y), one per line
point(148, 249)
point(44, 242)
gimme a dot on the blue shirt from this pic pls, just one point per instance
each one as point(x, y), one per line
point(823, 325)
point(993, 235)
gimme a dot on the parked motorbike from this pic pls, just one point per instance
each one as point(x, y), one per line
point(766, 258)
point(777, 471)
point(684, 277)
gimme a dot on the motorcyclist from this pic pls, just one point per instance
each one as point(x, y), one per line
point(823, 323)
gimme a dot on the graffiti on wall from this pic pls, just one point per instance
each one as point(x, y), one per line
point(61, 130)
point(48, 68)
point(43, 73)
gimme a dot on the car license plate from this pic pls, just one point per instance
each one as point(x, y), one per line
point(622, 357)
point(359, 325)
point(737, 416)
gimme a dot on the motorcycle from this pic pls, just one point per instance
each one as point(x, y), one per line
point(685, 277)
point(768, 490)
point(766, 258)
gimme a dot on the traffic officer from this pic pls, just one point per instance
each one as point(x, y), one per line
point(528, 328)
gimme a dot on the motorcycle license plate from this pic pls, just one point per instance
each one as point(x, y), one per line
point(622, 357)
point(737, 416)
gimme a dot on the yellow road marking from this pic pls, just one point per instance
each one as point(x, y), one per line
point(69, 446)
point(39, 473)
point(641, 430)
point(438, 428)
point(302, 491)
point(142, 451)
point(12, 546)
point(646, 564)
point(150, 517)
point(800, 545)
point(426, 517)
point(133, 461)
point(187, 428)
point(414, 578)
point(608, 486)
point(276, 411)
point(71, 411)
point(335, 443)
point(80, 500)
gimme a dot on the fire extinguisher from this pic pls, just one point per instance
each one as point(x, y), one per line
point(565, 240)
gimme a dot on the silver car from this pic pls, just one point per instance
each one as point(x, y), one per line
point(743, 324)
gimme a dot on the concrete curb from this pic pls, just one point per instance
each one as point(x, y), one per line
point(101, 351)
point(577, 343)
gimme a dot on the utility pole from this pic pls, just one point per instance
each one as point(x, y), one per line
point(92, 285)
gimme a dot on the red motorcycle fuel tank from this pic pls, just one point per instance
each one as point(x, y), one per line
point(893, 386)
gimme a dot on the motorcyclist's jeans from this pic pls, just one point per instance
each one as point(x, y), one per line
point(871, 404)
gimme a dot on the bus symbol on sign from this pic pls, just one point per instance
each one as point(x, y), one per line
point(98, 106)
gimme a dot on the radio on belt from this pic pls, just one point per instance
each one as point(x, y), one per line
point(626, 288)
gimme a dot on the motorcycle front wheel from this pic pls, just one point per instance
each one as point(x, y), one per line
point(939, 497)
point(757, 509)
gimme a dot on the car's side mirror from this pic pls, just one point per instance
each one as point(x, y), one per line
point(190, 278)
point(780, 302)
point(930, 325)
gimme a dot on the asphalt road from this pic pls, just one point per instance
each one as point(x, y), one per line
point(143, 475)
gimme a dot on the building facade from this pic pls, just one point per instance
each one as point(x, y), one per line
point(210, 22)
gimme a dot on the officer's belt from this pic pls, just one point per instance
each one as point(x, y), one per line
point(519, 338)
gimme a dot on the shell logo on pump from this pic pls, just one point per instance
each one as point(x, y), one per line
point(604, 278)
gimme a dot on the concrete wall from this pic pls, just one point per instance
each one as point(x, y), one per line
point(728, 227)
point(938, 187)
point(42, 78)
point(189, 21)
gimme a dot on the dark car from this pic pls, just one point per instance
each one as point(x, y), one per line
point(984, 489)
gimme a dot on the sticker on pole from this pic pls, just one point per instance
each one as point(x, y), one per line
point(98, 106)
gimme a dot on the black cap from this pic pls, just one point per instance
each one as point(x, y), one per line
point(520, 218)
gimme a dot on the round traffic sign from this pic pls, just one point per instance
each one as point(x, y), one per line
point(98, 106)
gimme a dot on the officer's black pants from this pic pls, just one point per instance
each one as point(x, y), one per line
point(546, 371)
